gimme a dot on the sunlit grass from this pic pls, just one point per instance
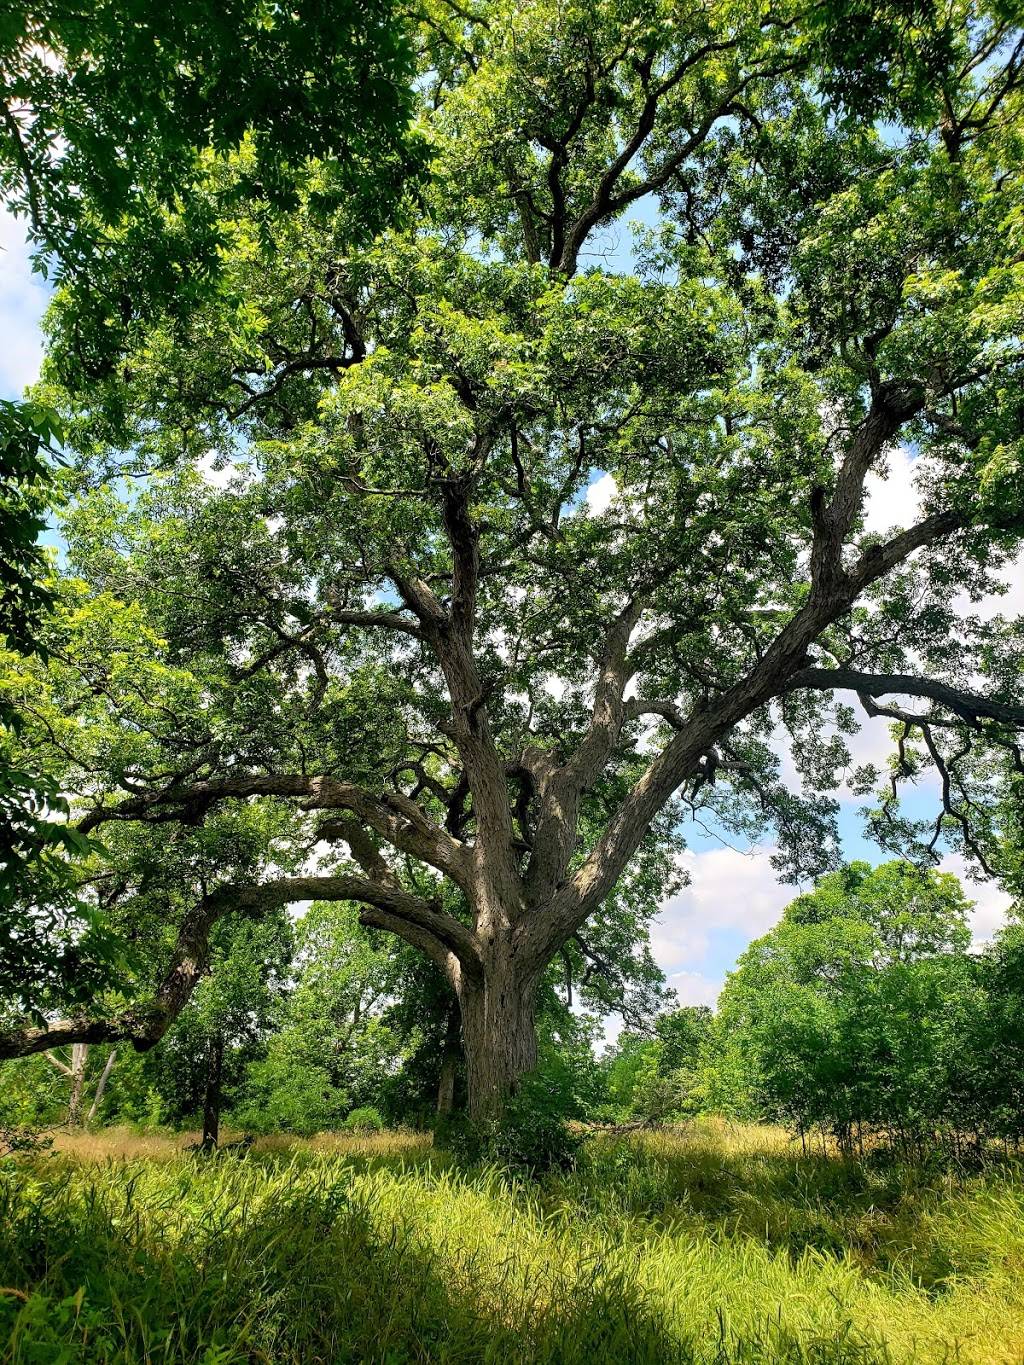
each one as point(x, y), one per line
point(716, 1244)
point(126, 1144)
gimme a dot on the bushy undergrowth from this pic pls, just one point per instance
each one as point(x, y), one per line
point(716, 1245)
point(366, 1119)
point(532, 1138)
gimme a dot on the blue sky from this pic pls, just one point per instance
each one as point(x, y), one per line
point(733, 895)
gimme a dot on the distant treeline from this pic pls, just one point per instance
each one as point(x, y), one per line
point(863, 1014)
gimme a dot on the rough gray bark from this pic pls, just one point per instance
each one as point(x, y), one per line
point(449, 1063)
point(499, 1030)
point(101, 1086)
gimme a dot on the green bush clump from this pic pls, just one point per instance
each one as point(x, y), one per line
point(532, 1136)
point(366, 1119)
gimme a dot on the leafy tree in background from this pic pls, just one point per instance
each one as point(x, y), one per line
point(863, 1012)
point(402, 621)
point(663, 1077)
point(332, 1048)
point(108, 112)
point(223, 1028)
point(992, 1053)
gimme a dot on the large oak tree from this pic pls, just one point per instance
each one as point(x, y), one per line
point(485, 695)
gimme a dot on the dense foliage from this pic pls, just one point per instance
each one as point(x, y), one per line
point(109, 112)
point(864, 1015)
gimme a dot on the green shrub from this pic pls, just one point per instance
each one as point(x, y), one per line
point(531, 1138)
point(366, 1119)
point(308, 1103)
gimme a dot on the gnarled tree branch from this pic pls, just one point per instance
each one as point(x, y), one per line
point(966, 706)
point(445, 939)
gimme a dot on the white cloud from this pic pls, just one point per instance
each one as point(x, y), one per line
point(990, 901)
point(729, 890)
point(23, 300)
point(695, 989)
point(892, 499)
point(677, 936)
point(601, 493)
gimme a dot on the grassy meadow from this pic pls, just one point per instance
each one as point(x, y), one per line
point(715, 1243)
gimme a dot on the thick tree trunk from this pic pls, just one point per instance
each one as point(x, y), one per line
point(79, 1061)
point(499, 1035)
point(449, 1062)
point(211, 1101)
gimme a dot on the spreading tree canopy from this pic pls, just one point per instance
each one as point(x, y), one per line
point(109, 114)
point(364, 578)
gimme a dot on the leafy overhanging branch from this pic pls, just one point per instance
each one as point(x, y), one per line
point(969, 707)
point(448, 942)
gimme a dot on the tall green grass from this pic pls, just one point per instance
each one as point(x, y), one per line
point(717, 1245)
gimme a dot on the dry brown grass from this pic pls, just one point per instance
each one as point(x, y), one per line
point(400, 1142)
point(127, 1144)
point(120, 1144)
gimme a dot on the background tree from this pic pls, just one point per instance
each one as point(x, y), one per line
point(107, 114)
point(663, 1076)
point(864, 1012)
point(332, 1049)
point(995, 1082)
point(223, 1030)
point(405, 621)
